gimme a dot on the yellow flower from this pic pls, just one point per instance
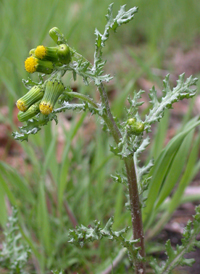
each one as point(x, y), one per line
point(45, 108)
point(20, 105)
point(46, 53)
point(33, 64)
point(40, 52)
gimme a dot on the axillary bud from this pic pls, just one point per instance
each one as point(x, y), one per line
point(33, 95)
point(135, 127)
point(54, 88)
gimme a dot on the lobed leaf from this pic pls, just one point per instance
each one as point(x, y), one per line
point(14, 254)
point(122, 17)
point(83, 235)
point(181, 91)
point(176, 256)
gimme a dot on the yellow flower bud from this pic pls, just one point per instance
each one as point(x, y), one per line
point(54, 88)
point(33, 64)
point(33, 95)
point(46, 53)
point(31, 112)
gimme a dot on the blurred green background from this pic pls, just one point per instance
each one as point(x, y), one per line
point(67, 167)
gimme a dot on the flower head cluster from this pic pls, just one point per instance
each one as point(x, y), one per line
point(45, 59)
point(42, 98)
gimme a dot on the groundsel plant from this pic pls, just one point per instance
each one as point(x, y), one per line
point(14, 255)
point(37, 108)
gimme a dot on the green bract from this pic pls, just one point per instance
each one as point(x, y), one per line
point(29, 113)
point(53, 89)
point(64, 54)
point(57, 36)
point(33, 64)
point(33, 95)
point(46, 53)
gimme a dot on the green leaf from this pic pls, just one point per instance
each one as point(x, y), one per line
point(134, 103)
point(30, 83)
point(83, 235)
point(33, 126)
point(175, 170)
point(161, 167)
point(43, 218)
point(181, 91)
point(14, 255)
point(160, 136)
point(176, 256)
point(16, 181)
point(187, 177)
point(122, 17)
point(57, 272)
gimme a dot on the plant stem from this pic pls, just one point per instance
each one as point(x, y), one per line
point(108, 118)
point(82, 97)
point(136, 215)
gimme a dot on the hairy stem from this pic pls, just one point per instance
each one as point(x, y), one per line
point(82, 97)
point(108, 118)
point(136, 215)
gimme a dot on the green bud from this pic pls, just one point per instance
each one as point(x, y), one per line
point(131, 121)
point(33, 95)
point(54, 88)
point(64, 54)
point(135, 127)
point(31, 112)
point(32, 52)
point(57, 36)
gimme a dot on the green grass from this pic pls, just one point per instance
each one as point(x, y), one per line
point(82, 178)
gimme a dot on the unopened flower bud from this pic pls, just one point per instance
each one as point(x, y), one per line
point(131, 121)
point(33, 64)
point(64, 54)
point(33, 95)
point(53, 90)
point(56, 35)
point(46, 53)
point(135, 127)
point(32, 52)
point(31, 112)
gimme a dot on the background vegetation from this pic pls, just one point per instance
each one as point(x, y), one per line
point(67, 168)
